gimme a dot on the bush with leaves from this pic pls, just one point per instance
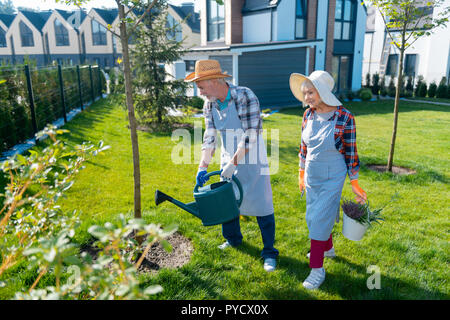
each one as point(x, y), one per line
point(422, 92)
point(365, 94)
point(34, 230)
point(375, 83)
point(391, 88)
point(441, 91)
point(432, 90)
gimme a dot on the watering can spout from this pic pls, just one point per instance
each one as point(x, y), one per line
point(190, 207)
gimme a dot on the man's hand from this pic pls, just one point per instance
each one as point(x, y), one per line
point(201, 179)
point(301, 179)
point(361, 195)
point(228, 170)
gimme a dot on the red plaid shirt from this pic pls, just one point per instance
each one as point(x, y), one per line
point(344, 137)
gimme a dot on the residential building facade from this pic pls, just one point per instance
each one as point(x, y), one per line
point(260, 43)
point(429, 56)
point(77, 37)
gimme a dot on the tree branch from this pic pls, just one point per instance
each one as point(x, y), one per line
point(150, 6)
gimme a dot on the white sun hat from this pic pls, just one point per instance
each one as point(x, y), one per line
point(322, 81)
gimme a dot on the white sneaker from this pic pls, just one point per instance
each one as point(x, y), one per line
point(270, 264)
point(327, 254)
point(315, 278)
point(224, 245)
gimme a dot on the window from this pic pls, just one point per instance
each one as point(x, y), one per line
point(341, 72)
point(410, 64)
point(61, 34)
point(2, 38)
point(300, 19)
point(344, 20)
point(392, 65)
point(216, 21)
point(190, 65)
point(98, 34)
point(174, 29)
point(26, 35)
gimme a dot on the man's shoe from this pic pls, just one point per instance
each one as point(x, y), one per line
point(224, 245)
point(270, 264)
point(315, 278)
point(327, 254)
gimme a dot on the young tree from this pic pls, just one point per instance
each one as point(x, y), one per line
point(127, 26)
point(156, 89)
point(407, 21)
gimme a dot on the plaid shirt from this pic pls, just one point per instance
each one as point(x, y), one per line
point(247, 106)
point(344, 137)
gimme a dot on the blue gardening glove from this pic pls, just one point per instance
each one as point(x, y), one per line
point(201, 179)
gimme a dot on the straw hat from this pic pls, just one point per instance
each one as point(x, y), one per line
point(322, 81)
point(206, 69)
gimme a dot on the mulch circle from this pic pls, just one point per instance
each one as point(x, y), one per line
point(395, 169)
point(157, 257)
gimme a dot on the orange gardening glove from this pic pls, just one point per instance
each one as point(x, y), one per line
point(301, 179)
point(361, 195)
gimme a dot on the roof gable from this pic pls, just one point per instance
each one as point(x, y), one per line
point(108, 15)
point(38, 19)
point(256, 5)
point(7, 19)
point(193, 21)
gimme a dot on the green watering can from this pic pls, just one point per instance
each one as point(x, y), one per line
point(214, 204)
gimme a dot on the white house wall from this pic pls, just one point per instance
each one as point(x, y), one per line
point(321, 33)
point(359, 47)
point(14, 31)
point(5, 51)
point(72, 48)
point(256, 27)
point(86, 27)
point(285, 21)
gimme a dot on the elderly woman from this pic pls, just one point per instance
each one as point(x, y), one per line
point(327, 154)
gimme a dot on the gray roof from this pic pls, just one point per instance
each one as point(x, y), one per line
point(193, 21)
point(38, 19)
point(109, 15)
point(256, 5)
point(7, 19)
point(67, 14)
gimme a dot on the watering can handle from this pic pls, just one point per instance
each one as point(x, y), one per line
point(236, 180)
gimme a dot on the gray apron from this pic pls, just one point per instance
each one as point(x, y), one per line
point(325, 172)
point(253, 170)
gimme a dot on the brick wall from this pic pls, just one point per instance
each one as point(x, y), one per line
point(330, 35)
point(311, 31)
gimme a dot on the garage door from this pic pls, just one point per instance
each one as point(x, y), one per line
point(267, 74)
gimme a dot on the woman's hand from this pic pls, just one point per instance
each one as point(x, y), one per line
point(361, 195)
point(301, 179)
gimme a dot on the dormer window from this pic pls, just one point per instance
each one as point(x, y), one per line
point(344, 20)
point(216, 21)
point(61, 34)
point(300, 19)
point(26, 35)
point(2, 38)
point(98, 34)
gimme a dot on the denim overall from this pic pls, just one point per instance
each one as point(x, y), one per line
point(253, 173)
point(325, 172)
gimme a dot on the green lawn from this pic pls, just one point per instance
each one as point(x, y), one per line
point(411, 248)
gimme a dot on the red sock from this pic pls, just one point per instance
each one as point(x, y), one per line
point(317, 250)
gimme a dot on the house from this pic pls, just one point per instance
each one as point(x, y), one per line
point(25, 38)
point(261, 42)
point(5, 50)
point(429, 56)
point(62, 40)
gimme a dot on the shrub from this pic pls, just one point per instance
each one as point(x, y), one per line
point(432, 90)
point(376, 84)
point(196, 102)
point(409, 84)
point(383, 91)
point(422, 91)
point(350, 95)
point(418, 84)
point(391, 88)
point(365, 94)
point(367, 80)
point(441, 91)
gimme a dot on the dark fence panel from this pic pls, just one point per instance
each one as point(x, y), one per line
point(31, 98)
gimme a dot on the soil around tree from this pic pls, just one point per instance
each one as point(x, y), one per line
point(157, 257)
point(395, 169)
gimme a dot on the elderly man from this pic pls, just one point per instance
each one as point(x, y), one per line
point(234, 111)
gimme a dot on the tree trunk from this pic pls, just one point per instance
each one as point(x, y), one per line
point(131, 115)
point(397, 98)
